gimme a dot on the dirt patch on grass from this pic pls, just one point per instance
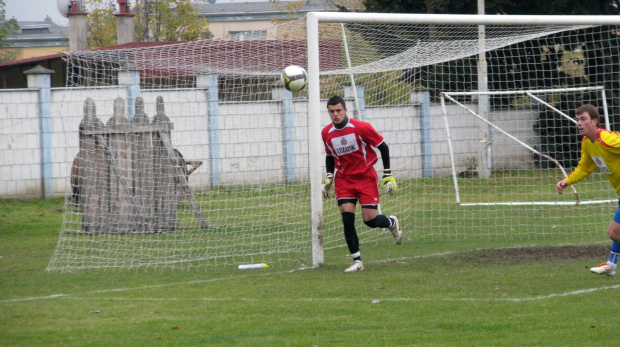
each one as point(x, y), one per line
point(535, 254)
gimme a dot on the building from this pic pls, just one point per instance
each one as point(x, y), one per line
point(236, 20)
point(39, 38)
point(42, 43)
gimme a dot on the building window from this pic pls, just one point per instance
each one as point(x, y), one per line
point(247, 35)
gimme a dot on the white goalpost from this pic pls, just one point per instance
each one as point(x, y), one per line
point(502, 162)
point(499, 29)
point(192, 155)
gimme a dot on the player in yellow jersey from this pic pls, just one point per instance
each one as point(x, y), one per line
point(600, 148)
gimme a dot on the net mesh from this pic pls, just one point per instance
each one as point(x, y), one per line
point(191, 155)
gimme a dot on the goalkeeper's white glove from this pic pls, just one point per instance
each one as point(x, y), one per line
point(388, 182)
point(327, 184)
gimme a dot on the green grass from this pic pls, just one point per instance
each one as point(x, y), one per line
point(424, 292)
point(271, 223)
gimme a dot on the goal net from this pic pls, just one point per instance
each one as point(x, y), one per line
point(192, 155)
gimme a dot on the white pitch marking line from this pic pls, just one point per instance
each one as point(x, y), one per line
point(116, 290)
point(535, 298)
point(80, 296)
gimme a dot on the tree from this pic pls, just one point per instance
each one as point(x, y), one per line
point(346, 5)
point(101, 24)
point(552, 55)
point(155, 20)
point(8, 27)
point(168, 20)
point(589, 56)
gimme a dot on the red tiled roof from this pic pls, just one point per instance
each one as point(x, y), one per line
point(109, 48)
point(13, 63)
point(256, 57)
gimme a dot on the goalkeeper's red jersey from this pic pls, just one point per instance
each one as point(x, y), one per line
point(350, 146)
point(604, 153)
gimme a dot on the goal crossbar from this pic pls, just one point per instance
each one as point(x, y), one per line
point(459, 19)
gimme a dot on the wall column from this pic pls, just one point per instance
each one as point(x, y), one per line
point(288, 132)
point(423, 98)
point(130, 80)
point(41, 78)
point(215, 157)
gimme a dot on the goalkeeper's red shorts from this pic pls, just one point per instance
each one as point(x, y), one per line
point(361, 187)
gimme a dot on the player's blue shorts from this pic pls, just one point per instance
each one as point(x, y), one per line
point(617, 215)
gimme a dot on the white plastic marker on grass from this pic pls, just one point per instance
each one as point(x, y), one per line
point(253, 266)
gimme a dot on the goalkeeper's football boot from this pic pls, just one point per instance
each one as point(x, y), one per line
point(603, 269)
point(396, 231)
point(356, 266)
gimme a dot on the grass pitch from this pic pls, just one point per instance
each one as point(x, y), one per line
point(421, 293)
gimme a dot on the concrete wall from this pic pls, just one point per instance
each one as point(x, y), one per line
point(251, 139)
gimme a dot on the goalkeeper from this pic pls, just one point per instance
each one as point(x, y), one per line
point(600, 148)
point(347, 147)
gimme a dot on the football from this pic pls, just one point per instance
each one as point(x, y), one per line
point(294, 78)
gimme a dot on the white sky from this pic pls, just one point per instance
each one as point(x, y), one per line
point(34, 10)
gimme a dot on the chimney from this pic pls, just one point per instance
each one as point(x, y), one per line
point(124, 22)
point(78, 26)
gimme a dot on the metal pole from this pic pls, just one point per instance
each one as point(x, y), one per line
point(357, 114)
point(485, 155)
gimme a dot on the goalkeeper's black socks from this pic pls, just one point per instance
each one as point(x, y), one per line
point(380, 221)
point(350, 234)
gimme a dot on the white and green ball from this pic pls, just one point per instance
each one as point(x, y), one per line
point(294, 78)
